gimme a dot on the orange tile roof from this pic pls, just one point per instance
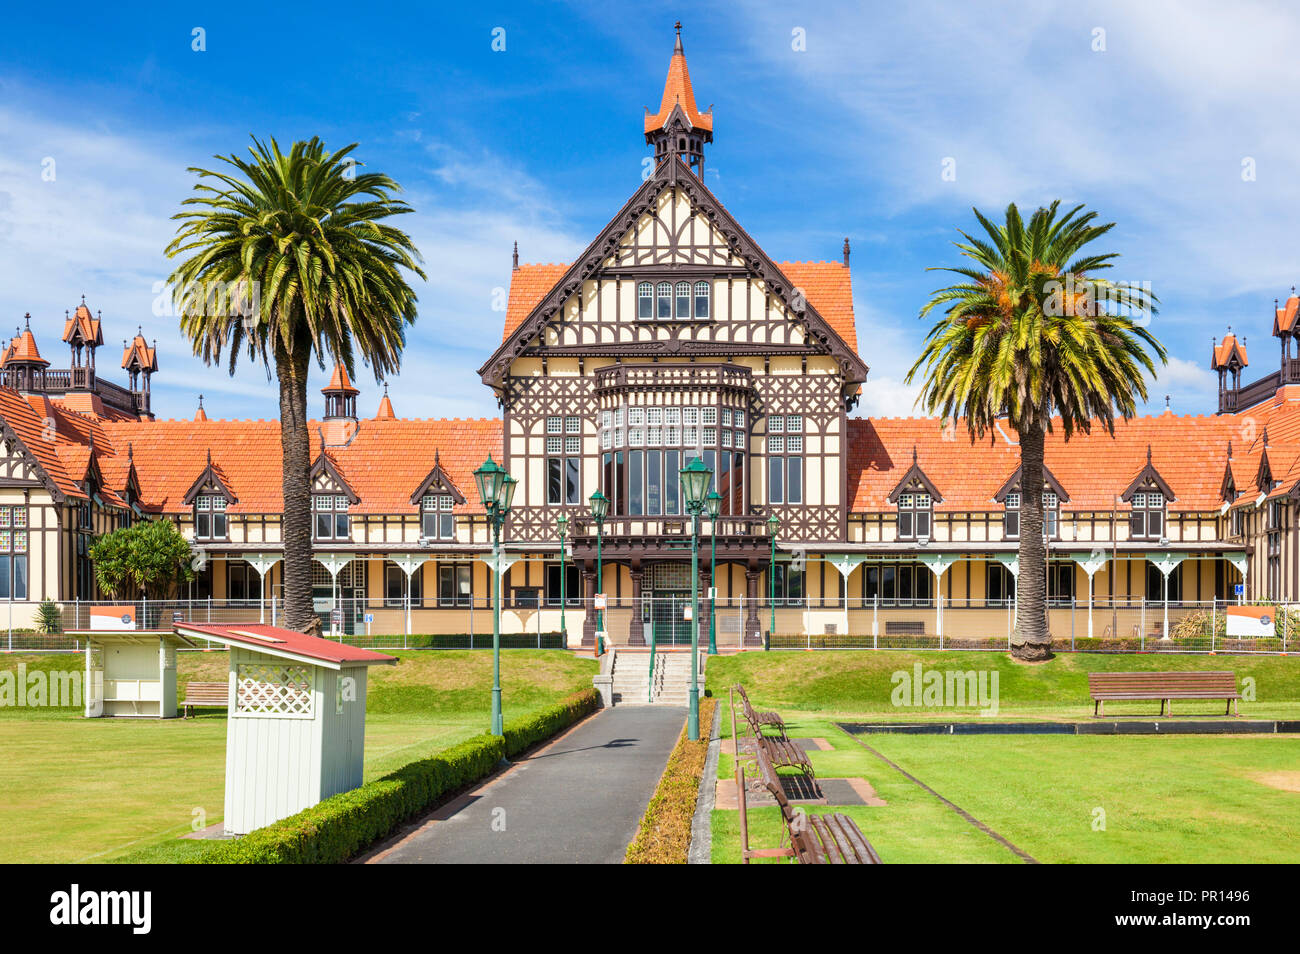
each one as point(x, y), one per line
point(340, 382)
point(23, 348)
point(381, 462)
point(678, 92)
point(828, 287)
point(1223, 352)
point(1284, 318)
point(140, 354)
point(81, 320)
point(1188, 452)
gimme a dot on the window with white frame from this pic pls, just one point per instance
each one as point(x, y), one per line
point(1051, 515)
point(669, 301)
point(1147, 518)
point(785, 463)
point(437, 521)
point(210, 517)
point(915, 515)
point(331, 513)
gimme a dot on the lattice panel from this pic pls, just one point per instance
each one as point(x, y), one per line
point(271, 689)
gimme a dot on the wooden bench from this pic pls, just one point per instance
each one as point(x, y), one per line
point(785, 754)
point(213, 695)
point(904, 628)
point(760, 720)
point(1165, 686)
point(813, 839)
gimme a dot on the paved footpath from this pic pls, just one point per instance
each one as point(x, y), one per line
point(578, 800)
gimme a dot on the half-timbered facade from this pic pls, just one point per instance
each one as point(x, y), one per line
point(673, 335)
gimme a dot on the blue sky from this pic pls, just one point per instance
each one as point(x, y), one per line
point(1146, 112)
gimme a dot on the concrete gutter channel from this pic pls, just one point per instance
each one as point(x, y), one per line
point(701, 852)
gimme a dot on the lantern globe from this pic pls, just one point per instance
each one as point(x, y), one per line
point(695, 478)
point(599, 506)
point(506, 495)
point(489, 477)
point(772, 523)
point(713, 504)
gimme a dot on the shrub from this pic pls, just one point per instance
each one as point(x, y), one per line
point(343, 825)
point(48, 618)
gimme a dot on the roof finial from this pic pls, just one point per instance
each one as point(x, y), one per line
point(27, 320)
point(913, 453)
point(1230, 448)
point(130, 451)
point(677, 47)
point(1148, 453)
point(515, 263)
point(437, 458)
point(846, 251)
point(1166, 402)
point(200, 402)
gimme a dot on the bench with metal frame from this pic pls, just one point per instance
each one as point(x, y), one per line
point(758, 721)
point(812, 839)
point(210, 695)
point(1165, 686)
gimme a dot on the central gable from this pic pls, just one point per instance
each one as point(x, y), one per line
point(673, 274)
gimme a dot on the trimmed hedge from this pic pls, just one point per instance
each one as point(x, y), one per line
point(457, 641)
point(344, 825)
point(664, 837)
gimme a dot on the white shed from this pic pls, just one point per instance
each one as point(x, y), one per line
point(296, 731)
point(131, 673)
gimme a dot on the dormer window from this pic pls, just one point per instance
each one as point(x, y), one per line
point(1147, 521)
point(1051, 515)
point(437, 521)
point(915, 515)
point(331, 511)
point(210, 517)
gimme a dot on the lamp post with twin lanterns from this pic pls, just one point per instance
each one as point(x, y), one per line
point(695, 479)
point(496, 488)
point(713, 504)
point(562, 525)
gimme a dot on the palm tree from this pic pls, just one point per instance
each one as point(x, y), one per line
point(1031, 336)
point(290, 260)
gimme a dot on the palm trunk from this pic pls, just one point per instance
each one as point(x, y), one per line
point(295, 529)
point(1032, 639)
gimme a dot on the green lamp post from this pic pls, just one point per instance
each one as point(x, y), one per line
point(496, 488)
point(772, 524)
point(713, 504)
point(599, 511)
point(695, 480)
point(562, 525)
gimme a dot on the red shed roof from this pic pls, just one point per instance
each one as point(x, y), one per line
point(284, 642)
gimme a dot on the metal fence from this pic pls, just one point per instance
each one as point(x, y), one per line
point(730, 623)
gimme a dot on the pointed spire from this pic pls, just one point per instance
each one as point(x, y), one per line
point(385, 411)
point(200, 414)
point(686, 135)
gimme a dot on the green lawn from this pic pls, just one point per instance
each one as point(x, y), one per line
point(859, 684)
point(1162, 798)
point(123, 790)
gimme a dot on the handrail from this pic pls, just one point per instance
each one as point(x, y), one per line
point(653, 642)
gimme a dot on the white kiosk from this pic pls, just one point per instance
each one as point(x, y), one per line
point(129, 672)
point(296, 731)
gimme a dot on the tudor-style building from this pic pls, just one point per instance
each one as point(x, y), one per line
point(673, 335)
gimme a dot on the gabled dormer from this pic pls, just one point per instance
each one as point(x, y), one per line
point(436, 497)
point(1009, 495)
point(332, 499)
point(210, 497)
point(1148, 495)
point(915, 496)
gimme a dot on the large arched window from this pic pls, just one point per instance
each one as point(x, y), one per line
point(645, 301)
